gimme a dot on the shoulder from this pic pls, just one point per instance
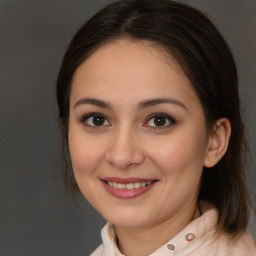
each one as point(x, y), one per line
point(98, 251)
point(208, 241)
point(212, 243)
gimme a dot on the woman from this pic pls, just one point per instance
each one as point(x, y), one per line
point(149, 109)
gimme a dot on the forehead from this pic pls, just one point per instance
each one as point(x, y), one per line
point(135, 68)
point(120, 52)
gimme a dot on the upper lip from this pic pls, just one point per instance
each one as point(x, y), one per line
point(126, 180)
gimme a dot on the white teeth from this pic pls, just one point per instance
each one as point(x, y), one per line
point(136, 185)
point(119, 185)
point(143, 184)
point(129, 185)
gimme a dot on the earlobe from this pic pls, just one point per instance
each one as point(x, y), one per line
point(218, 142)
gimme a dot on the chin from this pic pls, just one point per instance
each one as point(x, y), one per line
point(129, 219)
point(128, 223)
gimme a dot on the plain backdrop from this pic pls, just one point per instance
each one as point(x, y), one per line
point(37, 216)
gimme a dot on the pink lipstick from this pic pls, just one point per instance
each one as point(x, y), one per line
point(128, 187)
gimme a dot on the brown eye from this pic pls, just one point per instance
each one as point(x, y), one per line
point(159, 121)
point(98, 120)
point(95, 120)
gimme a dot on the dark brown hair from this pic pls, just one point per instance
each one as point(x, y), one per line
point(187, 35)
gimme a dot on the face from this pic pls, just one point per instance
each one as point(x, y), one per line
point(137, 134)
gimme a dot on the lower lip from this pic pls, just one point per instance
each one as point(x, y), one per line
point(127, 193)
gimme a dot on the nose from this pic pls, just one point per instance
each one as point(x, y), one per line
point(124, 151)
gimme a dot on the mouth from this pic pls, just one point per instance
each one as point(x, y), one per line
point(129, 185)
point(127, 188)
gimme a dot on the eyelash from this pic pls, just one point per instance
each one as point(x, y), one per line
point(170, 119)
point(85, 118)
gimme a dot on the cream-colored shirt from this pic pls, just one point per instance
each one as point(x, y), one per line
point(196, 239)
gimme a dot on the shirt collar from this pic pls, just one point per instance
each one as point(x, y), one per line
point(190, 234)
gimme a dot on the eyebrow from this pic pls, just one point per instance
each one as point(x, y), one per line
point(92, 101)
point(153, 102)
point(142, 105)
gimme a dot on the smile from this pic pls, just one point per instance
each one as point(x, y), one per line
point(135, 185)
point(127, 188)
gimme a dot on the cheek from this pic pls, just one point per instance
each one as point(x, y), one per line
point(181, 165)
point(179, 155)
point(85, 154)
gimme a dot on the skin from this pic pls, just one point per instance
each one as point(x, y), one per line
point(128, 143)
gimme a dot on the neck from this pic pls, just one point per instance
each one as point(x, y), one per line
point(139, 242)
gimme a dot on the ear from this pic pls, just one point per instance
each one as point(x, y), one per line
point(218, 142)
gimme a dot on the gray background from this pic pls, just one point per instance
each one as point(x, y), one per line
point(37, 217)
